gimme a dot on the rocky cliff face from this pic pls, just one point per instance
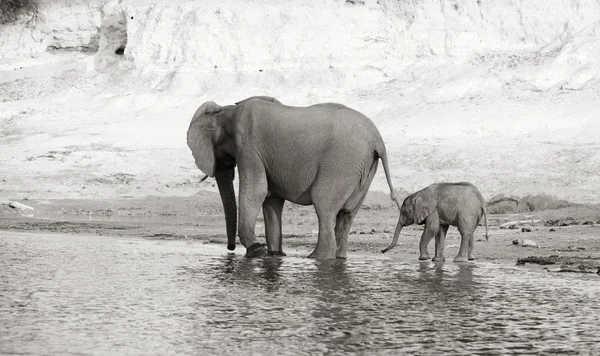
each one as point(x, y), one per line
point(329, 40)
point(498, 93)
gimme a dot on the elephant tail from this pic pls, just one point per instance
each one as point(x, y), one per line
point(380, 152)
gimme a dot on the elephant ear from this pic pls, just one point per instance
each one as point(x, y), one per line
point(200, 135)
point(423, 208)
point(260, 97)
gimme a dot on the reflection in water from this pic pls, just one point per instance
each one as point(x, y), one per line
point(333, 316)
point(71, 295)
point(233, 268)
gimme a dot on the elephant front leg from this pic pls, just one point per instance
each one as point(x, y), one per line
point(253, 190)
point(432, 226)
point(440, 241)
point(425, 238)
point(272, 208)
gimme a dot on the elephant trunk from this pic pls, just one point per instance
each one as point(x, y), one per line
point(224, 177)
point(399, 227)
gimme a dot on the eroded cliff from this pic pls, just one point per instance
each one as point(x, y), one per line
point(96, 96)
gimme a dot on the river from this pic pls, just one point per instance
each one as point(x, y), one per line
point(100, 295)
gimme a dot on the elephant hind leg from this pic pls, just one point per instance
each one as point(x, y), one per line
point(272, 208)
point(471, 243)
point(346, 216)
point(463, 252)
point(343, 223)
point(466, 242)
point(329, 197)
point(357, 197)
point(326, 244)
point(440, 240)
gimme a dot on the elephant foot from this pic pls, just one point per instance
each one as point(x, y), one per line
point(231, 247)
point(471, 258)
point(424, 258)
point(277, 253)
point(340, 255)
point(438, 259)
point(461, 259)
point(318, 255)
point(256, 250)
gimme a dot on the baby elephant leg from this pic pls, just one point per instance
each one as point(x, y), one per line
point(471, 243)
point(432, 225)
point(440, 240)
point(466, 243)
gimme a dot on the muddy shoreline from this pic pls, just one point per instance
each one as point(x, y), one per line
point(563, 240)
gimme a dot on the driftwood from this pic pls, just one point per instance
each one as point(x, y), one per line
point(500, 200)
point(17, 205)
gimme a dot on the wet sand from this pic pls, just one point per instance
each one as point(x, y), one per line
point(574, 247)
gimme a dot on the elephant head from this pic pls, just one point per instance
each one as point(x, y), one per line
point(211, 139)
point(415, 209)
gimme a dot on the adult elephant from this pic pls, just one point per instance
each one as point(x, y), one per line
point(325, 155)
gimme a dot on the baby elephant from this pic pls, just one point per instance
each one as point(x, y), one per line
point(438, 206)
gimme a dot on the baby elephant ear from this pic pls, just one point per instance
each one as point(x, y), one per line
point(199, 137)
point(423, 209)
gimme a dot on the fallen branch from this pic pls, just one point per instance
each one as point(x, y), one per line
point(503, 199)
point(17, 205)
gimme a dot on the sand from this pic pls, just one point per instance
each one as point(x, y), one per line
point(576, 245)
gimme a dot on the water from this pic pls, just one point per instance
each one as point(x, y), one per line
point(90, 295)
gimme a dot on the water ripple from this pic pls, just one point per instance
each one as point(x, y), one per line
point(93, 295)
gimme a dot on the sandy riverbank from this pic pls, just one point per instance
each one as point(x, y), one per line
point(576, 243)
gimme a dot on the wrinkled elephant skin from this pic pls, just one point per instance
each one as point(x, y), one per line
point(324, 155)
point(437, 207)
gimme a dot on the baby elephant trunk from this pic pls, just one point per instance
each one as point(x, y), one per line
point(396, 235)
